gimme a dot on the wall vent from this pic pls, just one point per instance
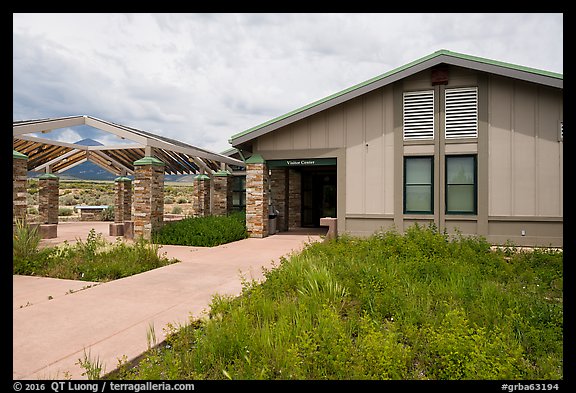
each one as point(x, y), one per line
point(419, 115)
point(461, 113)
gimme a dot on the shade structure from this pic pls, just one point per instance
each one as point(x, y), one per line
point(179, 158)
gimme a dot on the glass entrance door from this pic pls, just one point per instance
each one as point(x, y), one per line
point(318, 196)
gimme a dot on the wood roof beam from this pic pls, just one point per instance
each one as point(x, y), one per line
point(112, 160)
point(55, 160)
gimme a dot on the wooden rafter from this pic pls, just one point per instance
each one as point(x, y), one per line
point(43, 153)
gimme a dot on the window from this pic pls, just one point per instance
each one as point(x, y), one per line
point(461, 185)
point(461, 116)
point(418, 115)
point(239, 193)
point(418, 185)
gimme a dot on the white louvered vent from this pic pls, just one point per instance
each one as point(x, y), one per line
point(419, 115)
point(461, 113)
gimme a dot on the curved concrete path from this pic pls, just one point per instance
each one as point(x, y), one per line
point(57, 322)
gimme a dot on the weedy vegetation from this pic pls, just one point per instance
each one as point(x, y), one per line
point(91, 260)
point(417, 306)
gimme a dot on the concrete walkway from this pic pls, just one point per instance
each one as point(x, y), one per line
point(57, 322)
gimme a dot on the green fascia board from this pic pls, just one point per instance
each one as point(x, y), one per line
point(48, 176)
point(502, 64)
point(18, 155)
point(148, 160)
point(255, 159)
point(222, 174)
point(440, 52)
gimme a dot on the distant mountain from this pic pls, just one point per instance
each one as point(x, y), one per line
point(89, 142)
point(88, 170)
point(85, 171)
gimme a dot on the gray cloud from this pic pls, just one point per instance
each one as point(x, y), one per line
point(201, 78)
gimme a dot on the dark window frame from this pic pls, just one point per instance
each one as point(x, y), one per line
point(431, 211)
point(475, 185)
point(241, 191)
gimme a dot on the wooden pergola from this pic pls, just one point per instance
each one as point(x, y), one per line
point(54, 156)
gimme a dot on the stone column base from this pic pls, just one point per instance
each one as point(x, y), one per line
point(116, 229)
point(128, 229)
point(48, 231)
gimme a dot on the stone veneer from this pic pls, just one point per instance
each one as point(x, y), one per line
point(222, 203)
point(19, 186)
point(294, 199)
point(201, 202)
point(278, 188)
point(123, 200)
point(48, 198)
point(148, 196)
point(256, 196)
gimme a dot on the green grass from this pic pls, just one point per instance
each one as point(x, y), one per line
point(92, 260)
point(206, 231)
point(413, 306)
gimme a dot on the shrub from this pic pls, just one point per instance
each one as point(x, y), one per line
point(206, 231)
point(459, 349)
point(65, 211)
point(67, 200)
point(108, 213)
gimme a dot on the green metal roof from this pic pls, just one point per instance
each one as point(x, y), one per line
point(255, 159)
point(442, 52)
point(148, 160)
point(501, 64)
point(48, 176)
point(18, 155)
point(222, 174)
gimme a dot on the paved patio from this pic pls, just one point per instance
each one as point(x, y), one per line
point(56, 322)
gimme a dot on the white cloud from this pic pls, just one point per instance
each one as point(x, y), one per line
point(201, 78)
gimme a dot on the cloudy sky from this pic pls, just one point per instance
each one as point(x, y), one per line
point(200, 78)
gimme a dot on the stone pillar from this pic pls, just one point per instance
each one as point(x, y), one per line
point(201, 202)
point(123, 200)
point(48, 198)
point(256, 196)
point(19, 185)
point(148, 196)
point(122, 206)
point(222, 204)
point(294, 199)
point(278, 189)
